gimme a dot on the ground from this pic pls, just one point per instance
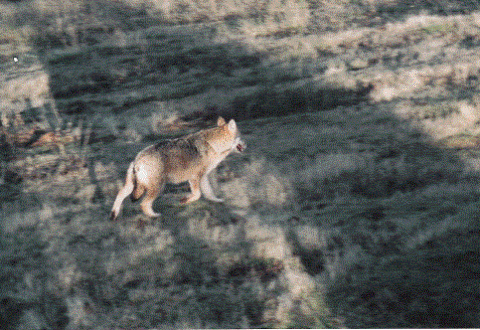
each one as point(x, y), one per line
point(354, 205)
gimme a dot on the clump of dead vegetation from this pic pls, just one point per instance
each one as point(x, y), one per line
point(34, 150)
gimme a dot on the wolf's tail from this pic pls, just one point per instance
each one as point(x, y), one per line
point(124, 192)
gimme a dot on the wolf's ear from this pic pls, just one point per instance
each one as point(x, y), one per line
point(232, 125)
point(220, 121)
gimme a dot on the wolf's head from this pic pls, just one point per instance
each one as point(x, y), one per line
point(226, 137)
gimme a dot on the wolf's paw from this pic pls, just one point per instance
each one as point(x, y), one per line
point(153, 214)
point(215, 199)
point(113, 215)
point(188, 199)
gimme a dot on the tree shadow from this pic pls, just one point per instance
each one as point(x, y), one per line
point(392, 285)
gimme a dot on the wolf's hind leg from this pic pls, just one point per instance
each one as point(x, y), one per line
point(208, 191)
point(137, 192)
point(151, 195)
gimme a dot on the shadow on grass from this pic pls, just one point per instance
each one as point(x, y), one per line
point(400, 287)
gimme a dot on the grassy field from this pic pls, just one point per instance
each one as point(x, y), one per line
point(355, 204)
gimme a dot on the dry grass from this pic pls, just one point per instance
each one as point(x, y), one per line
point(365, 210)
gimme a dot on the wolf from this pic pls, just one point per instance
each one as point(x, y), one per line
point(190, 158)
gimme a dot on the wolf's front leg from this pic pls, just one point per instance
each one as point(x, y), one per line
point(208, 191)
point(196, 193)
